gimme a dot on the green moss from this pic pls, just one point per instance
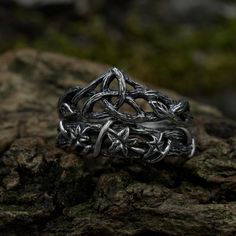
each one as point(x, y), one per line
point(199, 60)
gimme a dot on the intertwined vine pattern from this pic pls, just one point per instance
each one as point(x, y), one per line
point(93, 120)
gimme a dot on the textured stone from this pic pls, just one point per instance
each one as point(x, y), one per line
point(46, 191)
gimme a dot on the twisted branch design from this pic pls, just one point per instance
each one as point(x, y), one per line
point(112, 132)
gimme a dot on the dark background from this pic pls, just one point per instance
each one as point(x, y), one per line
point(185, 45)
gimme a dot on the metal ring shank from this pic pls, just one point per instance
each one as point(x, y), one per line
point(92, 121)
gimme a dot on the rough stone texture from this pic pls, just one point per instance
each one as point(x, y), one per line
point(45, 191)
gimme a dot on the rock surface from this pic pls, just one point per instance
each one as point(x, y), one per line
point(45, 191)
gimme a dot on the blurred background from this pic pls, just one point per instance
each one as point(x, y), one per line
point(185, 45)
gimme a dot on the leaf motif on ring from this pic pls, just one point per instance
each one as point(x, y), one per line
point(154, 146)
point(79, 136)
point(121, 141)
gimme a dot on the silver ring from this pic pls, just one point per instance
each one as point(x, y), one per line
point(92, 121)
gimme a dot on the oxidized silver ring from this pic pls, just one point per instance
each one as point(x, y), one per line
point(126, 120)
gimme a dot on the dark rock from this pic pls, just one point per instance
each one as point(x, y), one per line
point(45, 190)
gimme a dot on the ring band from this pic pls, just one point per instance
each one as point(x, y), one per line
point(92, 121)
